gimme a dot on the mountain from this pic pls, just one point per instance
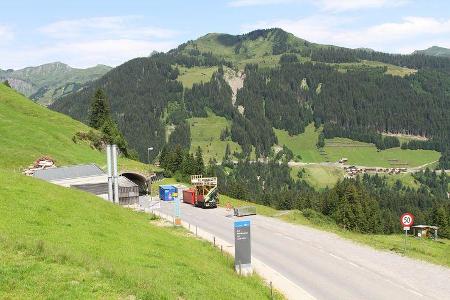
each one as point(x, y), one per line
point(435, 51)
point(47, 82)
point(270, 79)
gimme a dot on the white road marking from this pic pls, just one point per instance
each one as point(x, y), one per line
point(335, 256)
point(353, 264)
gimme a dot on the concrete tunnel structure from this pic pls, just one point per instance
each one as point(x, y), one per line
point(139, 179)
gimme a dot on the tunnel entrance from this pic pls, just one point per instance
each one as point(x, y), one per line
point(138, 179)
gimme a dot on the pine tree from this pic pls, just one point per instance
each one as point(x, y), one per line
point(227, 153)
point(99, 110)
point(199, 161)
point(6, 82)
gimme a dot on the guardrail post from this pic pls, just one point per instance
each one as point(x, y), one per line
point(271, 290)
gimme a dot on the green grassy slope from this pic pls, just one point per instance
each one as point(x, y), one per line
point(365, 154)
point(247, 49)
point(391, 69)
point(319, 176)
point(189, 76)
point(358, 153)
point(302, 144)
point(63, 243)
point(257, 47)
point(28, 131)
point(205, 132)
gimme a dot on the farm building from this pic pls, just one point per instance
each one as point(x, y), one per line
point(92, 179)
point(425, 231)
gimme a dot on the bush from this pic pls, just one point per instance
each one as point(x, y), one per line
point(316, 217)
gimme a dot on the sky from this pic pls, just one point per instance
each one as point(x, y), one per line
point(85, 33)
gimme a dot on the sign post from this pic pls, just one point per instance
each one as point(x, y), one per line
point(177, 209)
point(407, 220)
point(242, 248)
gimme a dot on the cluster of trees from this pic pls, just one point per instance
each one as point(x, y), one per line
point(414, 61)
point(345, 55)
point(100, 119)
point(181, 136)
point(437, 184)
point(381, 142)
point(215, 94)
point(367, 204)
point(334, 55)
point(179, 163)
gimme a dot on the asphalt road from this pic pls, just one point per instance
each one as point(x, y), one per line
point(323, 264)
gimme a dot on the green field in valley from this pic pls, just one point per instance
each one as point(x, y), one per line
point(67, 244)
point(205, 133)
point(302, 144)
point(358, 153)
point(319, 176)
point(29, 131)
point(189, 76)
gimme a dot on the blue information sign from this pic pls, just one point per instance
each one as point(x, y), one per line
point(242, 245)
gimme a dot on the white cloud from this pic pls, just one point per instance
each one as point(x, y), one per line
point(404, 36)
point(84, 54)
point(89, 41)
point(325, 5)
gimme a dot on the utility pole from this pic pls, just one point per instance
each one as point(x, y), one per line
point(115, 176)
point(110, 179)
point(149, 171)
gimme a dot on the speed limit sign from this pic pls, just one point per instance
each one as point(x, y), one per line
point(407, 219)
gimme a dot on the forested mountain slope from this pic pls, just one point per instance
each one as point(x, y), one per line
point(435, 51)
point(139, 92)
point(46, 83)
point(288, 83)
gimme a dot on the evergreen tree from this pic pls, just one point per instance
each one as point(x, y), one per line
point(227, 153)
point(99, 110)
point(6, 82)
point(321, 140)
point(199, 161)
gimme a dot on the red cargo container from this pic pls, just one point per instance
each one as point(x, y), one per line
point(189, 196)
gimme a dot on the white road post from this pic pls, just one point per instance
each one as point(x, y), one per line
point(110, 180)
point(115, 176)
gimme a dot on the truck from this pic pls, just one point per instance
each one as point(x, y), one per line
point(204, 192)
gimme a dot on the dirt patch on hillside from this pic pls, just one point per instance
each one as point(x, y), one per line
point(235, 80)
point(407, 136)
